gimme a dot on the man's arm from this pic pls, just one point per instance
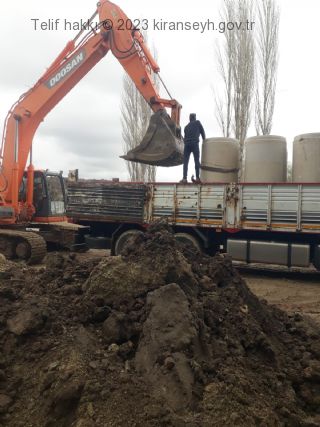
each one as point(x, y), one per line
point(202, 132)
point(185, 132)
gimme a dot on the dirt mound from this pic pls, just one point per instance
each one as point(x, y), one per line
point(158, 336)
point(147, 263)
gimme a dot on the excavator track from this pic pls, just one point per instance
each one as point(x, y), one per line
point(28, 246)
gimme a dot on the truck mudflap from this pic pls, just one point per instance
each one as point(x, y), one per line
point(162, 144)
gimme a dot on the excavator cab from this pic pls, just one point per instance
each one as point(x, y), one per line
point(162, 144)
point(49, 196)
point(49, 224)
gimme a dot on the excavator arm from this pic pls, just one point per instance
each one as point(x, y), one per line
point(162, 144)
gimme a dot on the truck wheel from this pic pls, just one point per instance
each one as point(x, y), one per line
point(188, 240)
point(123, 239)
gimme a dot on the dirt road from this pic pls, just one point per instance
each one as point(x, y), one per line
point(294, 294)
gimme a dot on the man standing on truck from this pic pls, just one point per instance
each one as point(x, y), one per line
point(192, 133)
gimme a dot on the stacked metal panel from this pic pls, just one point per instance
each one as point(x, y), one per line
point(100, 201)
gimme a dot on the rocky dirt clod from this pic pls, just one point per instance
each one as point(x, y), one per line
point(159, 336)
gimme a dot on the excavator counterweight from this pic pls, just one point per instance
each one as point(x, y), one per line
point(162, 144)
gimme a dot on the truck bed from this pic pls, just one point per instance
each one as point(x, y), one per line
point(106, 202)
point(264, 207)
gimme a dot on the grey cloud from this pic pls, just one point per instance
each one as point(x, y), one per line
point(86, 128)
point(83, 141)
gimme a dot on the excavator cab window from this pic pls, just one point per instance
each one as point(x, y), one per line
point(39, 193)
point(56, 194)
point(23, 190)
point(49, 196)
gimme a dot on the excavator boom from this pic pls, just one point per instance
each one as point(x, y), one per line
point(162, 144)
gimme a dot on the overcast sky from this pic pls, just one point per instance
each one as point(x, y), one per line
point(84, 129)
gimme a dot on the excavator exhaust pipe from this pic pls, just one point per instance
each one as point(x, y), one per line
point(162, 145)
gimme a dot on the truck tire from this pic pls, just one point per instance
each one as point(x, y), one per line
point(123, 239)
point(189, 240)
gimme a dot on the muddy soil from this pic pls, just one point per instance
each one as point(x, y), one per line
point(294, 294)
point(159, 336)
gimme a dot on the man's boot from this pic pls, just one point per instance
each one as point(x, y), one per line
point(195, 181)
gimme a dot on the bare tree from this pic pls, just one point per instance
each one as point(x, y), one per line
point(224, 53)
point(236, 69)
point(289, 172)
point(243, 75)
point(267, 44)
point(135, 117)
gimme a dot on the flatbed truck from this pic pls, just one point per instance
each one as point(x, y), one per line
point(276, 223)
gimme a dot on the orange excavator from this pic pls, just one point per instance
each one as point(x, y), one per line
point(33, 202)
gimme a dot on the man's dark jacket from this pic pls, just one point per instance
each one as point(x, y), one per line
point(192, 132)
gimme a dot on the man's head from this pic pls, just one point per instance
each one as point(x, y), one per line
point(193, 117)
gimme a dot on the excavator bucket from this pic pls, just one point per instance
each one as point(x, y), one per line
point(162, 145)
